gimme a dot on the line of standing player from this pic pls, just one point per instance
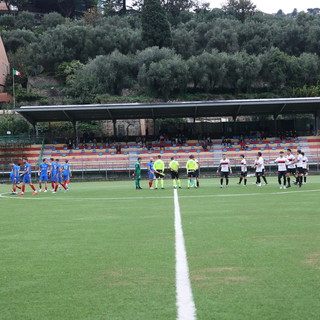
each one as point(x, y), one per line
point(156, 173)
point(58, 174)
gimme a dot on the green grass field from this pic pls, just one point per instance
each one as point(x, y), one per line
point(107, 251)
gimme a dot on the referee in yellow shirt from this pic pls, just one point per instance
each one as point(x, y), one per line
point(159, 172)
point(191, 167)
point(174, 168)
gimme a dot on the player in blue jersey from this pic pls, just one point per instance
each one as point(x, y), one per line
point(26, 177)
point(43, 175)
point(57, 175)
point(150, 173)
point(14, 176)
point(66, 174)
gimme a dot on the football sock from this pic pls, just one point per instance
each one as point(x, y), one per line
point(64, 187)
point(300, 180)
point(56, 188)
point(156, 183)
point(52, 185)
point(279, 181)
point(179, 183)
point(245, 182)
point(221, 181)
point(227, 181)
point(284, 180)
point(304, 179)
point(288, 181)
point(150, 184)
point(33, 187)
point(240, 180)
point(18, 187)
point(22, 188)
point(161, 181)
point(188, 183)
point(198, 184)
point(264, 179)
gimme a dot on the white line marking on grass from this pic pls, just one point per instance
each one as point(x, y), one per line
point(54, 197)
point(185, 302)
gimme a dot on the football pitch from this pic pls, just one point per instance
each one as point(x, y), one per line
point(107, 251)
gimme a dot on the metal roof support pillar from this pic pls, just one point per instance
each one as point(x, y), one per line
point(234, 125)
point(114, 121)
point(317, 122)
point(154, 126)
point(275, 124)
point(75, 131)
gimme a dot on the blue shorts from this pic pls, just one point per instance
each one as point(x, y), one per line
point(59, 178)
point(66, 177)
point(14, 179)
point(26, 178)
point(43, 177)
point(151, 175)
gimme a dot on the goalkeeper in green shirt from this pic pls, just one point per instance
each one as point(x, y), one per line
point(159, 172)
point(174, 168)
point(137, 173)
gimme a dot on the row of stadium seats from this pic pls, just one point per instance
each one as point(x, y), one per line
point(102, 158)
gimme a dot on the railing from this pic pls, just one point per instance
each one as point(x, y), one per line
point(21, 140)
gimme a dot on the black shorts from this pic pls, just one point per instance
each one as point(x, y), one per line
point(158, 175)
point(300, 170)
point(259, 174)
point(174, 175)
point(224, 174)
point(282, 174)
point(196, 173)
point(243, 174)
point(291, 171)
point(305, 171)
point(191, 174)
point(262, 173)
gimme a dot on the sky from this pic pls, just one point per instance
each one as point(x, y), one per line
point(272, 6)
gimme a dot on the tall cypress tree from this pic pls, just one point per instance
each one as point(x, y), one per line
point(156, 29)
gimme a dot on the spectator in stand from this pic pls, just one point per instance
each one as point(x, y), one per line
point(258, 135)
point(161, 145)
point(118, 148)
point(243, 145)
point(149, 145)
point(204, 146)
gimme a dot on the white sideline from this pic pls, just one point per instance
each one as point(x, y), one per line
point(185, 303)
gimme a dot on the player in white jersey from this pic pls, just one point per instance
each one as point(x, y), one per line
point(299, 168)
point(305, 167)
point(258, 165)
point(244, 170)
point(291, 167)
point(225, 169)
point(282, 162)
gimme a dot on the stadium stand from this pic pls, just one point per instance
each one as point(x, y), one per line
point(104, 157)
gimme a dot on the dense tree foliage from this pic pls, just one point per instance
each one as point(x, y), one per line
point(155, 25)
point(208, 51)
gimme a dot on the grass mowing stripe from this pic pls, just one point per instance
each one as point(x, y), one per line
point(3, 195)
point(185, 302)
